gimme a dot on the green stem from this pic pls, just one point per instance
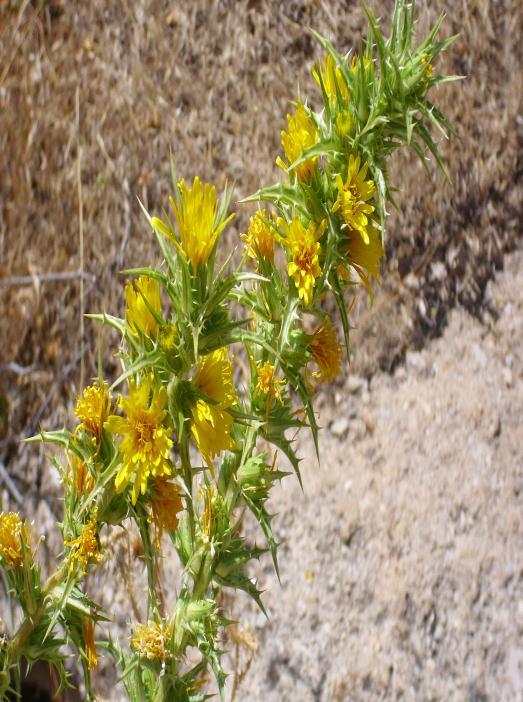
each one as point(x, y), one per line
point(30, 623)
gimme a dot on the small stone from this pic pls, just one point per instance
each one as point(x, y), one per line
point(369, 422)
point(170, 20)
point(411, 281)
point(507, 377)
point(400, 373)
point(340, 427)
point(416, 361)
point(438, 271)
point(495, 428)
point(355, 383)
point(358, 429)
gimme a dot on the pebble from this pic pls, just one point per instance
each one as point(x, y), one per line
point(340, 427)
point(438, 271)
point(415, 360)
point(411, 281)
point(355, 383)
point(508, 378)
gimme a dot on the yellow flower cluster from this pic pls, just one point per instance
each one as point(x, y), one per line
point(304, 249)
point(301, 135)
point(326, 352)
point(166, 504)
point(143, 306)
point(85, 548)
point(13, 535)
point(353, 196)
point(331, 77)
point(268, 385)
point(196, 217)
point(151, 640)
point(212, 422)
point(259, 240)
point(92, 408)
point(146, 445)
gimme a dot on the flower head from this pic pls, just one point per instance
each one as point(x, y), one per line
point(365, 257)
point(197, 215)
point(78, 475)
point(304, 249)
point(85, 548)
point(90, 646)
point(166, 503)
point(141, 298)
point(151, 640)
point(212, 423)
point(326, 352)
point(268, 385)
point(146, 444)
point(259, 240)
point(331, 76)
point(14, 534)
point(301, 135)
point(92, 408)
point(353, 196)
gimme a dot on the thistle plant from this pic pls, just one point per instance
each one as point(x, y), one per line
point(182, 444)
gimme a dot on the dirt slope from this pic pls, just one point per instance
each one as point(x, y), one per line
point(402, 568)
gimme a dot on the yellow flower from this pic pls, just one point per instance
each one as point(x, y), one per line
point(353, 196)
point(196, 217)
point(90, 646)
point(212, 423)
point(301, 135)
point(140, 301)
point(84, 548)
point(168, 337)
point(146, 444)
point(78, 475)
point(14, 534)
point(150, 640)
point(92, 408)
point(364, 258)
point(259, 240)
point(304, 248)
point(267, 384)
point(166, 503)
point(326, 352)
point(331, 75)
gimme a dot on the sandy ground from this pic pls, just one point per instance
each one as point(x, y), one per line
point(402, 569)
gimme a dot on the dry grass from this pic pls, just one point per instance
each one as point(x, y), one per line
point(106, 89)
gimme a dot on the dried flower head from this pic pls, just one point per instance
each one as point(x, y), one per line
point(142, 298)
point(326, 352)
point(92, 408)
point(301, 135)
point(166, 504)
point(146, 444)
point(304, 248)
point(90, 646)
point(13, 535)
point(151, 640)
point(196, 217)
